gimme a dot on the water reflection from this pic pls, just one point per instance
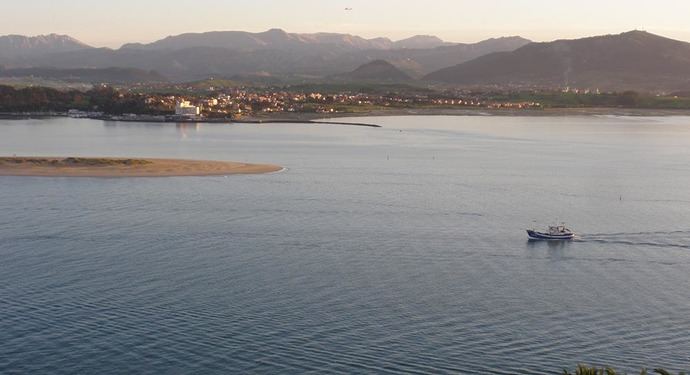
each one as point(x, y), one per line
point(184, 129)
point(551, 245)
point(555, 250)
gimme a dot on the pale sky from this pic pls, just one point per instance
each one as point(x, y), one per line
point(110, 23)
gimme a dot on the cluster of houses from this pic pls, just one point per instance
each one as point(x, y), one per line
point(241, 102)
point(234, 103)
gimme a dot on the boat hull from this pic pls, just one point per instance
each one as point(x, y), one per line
point(539, 236)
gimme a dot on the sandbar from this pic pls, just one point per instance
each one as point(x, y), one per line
point(125, 167)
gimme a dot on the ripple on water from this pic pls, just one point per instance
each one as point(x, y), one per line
point(406, 264)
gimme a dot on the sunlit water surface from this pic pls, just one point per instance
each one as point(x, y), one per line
point(392, 250)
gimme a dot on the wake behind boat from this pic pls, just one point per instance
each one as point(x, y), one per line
point(558, 232)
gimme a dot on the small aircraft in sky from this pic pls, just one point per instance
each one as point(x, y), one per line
point(348, 9)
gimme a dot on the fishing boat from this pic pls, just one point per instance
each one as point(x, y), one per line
point(557, 233)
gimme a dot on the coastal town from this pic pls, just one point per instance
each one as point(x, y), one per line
point(239, 104)
point(209, 103)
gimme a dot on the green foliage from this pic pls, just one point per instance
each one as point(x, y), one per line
point(72, 161)
point(35, 99)
point(42, 99)
point(586, 370)
point(557, 99)
point(628, 99)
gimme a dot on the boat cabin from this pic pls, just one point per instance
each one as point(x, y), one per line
point(559, 229)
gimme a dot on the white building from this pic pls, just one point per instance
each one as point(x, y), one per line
point(211, 102)
point(185, 108)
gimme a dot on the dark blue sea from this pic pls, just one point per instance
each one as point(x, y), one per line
point(392, 250)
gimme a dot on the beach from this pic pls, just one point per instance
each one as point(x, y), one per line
point(125, 167)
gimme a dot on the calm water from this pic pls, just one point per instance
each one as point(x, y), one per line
point(393, 250)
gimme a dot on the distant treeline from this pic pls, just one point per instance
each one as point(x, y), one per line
point(111, 101)
point(626, 99)
point(41, 99)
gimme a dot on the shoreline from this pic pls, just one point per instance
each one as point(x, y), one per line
point(460, 112)
point(324, 118)
point(298, 121)
point(328, 118)
point(126, 167)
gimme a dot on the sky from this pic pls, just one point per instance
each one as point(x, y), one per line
point(111, 23)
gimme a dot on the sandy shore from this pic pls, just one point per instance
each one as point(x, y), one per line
point(123, 167)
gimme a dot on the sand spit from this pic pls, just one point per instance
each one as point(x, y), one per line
point(125, 167)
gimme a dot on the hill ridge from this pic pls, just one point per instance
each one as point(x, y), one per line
point(376, 70)
point(630, 60)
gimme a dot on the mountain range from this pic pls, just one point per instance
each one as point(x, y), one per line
point(274, 52)
point(634, 60)
point(281, 40)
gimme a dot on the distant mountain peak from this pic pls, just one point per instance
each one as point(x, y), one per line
point(634, 60)
point(421, 42)
point(638, 33)
point(376, 70)
point(505, 38)
point(45, 39)
point(275, 31)
point(18, 46)
point(377, 63)
point(643, 35)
